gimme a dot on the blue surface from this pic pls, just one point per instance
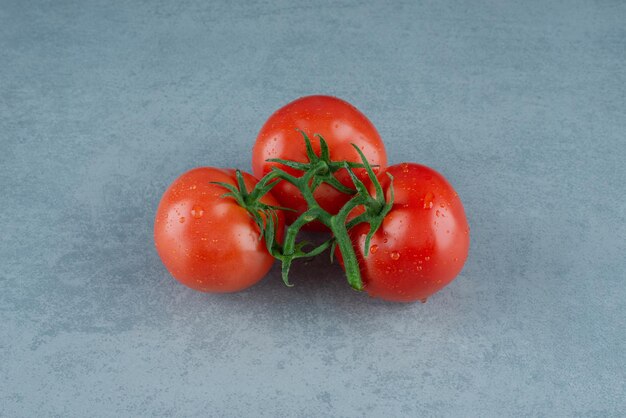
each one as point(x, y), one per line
point(520, 104)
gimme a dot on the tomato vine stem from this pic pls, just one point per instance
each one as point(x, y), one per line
point(320, 169)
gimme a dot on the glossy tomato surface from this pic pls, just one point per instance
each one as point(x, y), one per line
point(422, 243)
point(206, 241)
point(340, 123)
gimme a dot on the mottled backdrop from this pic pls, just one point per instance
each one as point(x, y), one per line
point(520, 104)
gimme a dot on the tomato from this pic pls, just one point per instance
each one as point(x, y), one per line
point(341, 125)
point(423, 241)
point(209, 242)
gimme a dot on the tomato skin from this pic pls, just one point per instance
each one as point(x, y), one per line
point(340, 123)
point(423, 241)
point(208, 242)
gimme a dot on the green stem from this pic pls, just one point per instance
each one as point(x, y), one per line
point(350, 261)
point(364, 217)
point(336, 223)
point(342, 237)
point(319, 169)
point(289, 244)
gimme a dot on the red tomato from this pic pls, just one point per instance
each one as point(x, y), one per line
point(208, 242)
point(423, 241)
point(341, 125)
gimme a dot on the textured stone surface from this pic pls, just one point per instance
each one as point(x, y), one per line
point(520, 104)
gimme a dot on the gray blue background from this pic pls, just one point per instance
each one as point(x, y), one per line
point(520, 104)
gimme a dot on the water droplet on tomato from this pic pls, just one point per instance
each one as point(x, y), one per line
point(419, 268)
point(197, 212)
point(395, 255)
point(192, 187)
point(428, 200)
point(405, 167)
point(373, 249)
point(385, 240)
point(424, 300)
point(181, 219)
point(427, 258)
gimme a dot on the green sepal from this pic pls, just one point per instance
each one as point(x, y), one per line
point(292, 164)
point(324, 152)
point(309, 148)
point(241, 183)
point(332, 180)
point(225, 185)
point(370, 172)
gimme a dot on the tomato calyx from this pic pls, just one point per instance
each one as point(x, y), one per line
point(262, 213)
point(319, 169)
point(322, 166)
point(376, 208)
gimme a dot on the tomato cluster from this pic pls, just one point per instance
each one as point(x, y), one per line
point(400, 232)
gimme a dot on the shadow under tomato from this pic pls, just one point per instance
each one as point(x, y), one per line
point(314, 282)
